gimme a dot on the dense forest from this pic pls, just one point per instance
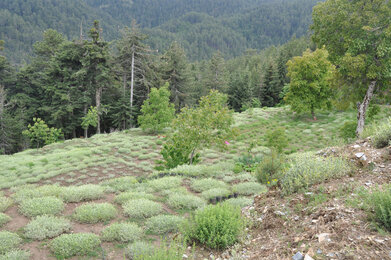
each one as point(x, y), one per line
point(201, 27)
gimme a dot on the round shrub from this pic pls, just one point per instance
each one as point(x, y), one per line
point(120, 184)
point(212, 193)
point(164, 224)
point(382, 136)
point(249, 188)
point(240, 202)
point(15, 255)
point(4, 219)
point(139, 249)
point(8, 241)
point(130, 195)
point(348, 130)
point(41, 206)
point(207, 184)
point(122, 232)
point(43, 227)
point(82, 193)
point(165, 183)
point(141, 208)
point(380, 202)
point(269, 168)
point(28, 192)
point(5, 203)
point(68, 245)
point(216, 226)
point(94, 212)
point(185, 201)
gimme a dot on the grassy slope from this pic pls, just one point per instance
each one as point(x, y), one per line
point(108, 156)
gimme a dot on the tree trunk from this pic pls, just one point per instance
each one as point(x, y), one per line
point(362, 108)
point(124, 82)
point(85, 113)
point(131, 91)
point(97, 100)
point(192, 156)
point(313, 114)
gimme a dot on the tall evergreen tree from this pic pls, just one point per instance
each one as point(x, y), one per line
point(175, 72)
point(271, 88)
point(216, 74)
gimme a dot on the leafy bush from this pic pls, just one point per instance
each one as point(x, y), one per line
point(307, 169)
point(8, 241)
point(212, 193)
point(5, 203)
point(165, 183)
point(277, 139)
point(4, 219)
point(269, 168)
point(43, 227)
point(40, 134)
point(122, 232)
point(185, 201)
point(79, 244)
point(141, 208)
point(15, 255)
point(120, 184)
point(139, 249)
point(382, 134)
point(216, 226)
point(240, 202)
point(94, 212)
point(380, 202)
point(247, 162)
point(29, 192)
point(164, 224)
point(41, 206)
point(157, 111)
point(348, 130)
point(249, 188)
point(373, 110)
point(82, 193)
point(125, 196)
point(207, 184)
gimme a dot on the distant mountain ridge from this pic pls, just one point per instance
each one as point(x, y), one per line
point(201, 26)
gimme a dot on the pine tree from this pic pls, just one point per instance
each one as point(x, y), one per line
point(270, 89)
point(216, 75)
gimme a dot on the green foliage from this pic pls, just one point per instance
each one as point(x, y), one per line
point(373, 110)
point(277, 139)
point(172, 251)
point(15, 255)
point(122, 232)
point(249, 188)
point(208, 124)
point(82, 193)
point(5, 203)
point(41, 206)
point(185, 201)
point(309, 87)
point(306, 170)
point(348, 130)
point(157, 112)
point(240, 202)
point(165, 183)
point(94, 212)
point(90, 119)
point(121, 184)
point(163, 224)
point(125, 196)
point(141, 208)
point(139, 249)
point(40, 134)
point(28, 192)
point(380, 202)
point(8, 241)
point(217, 192)
point(382, 134)
point(200, 185)
point(4, 219)
point(79, 244)
point(215, 226)
point(43, 227)
point(269, 168)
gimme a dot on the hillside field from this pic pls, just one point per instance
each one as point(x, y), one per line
point(91, 184)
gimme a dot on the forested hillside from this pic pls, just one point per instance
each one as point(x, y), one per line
point(201, 27)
